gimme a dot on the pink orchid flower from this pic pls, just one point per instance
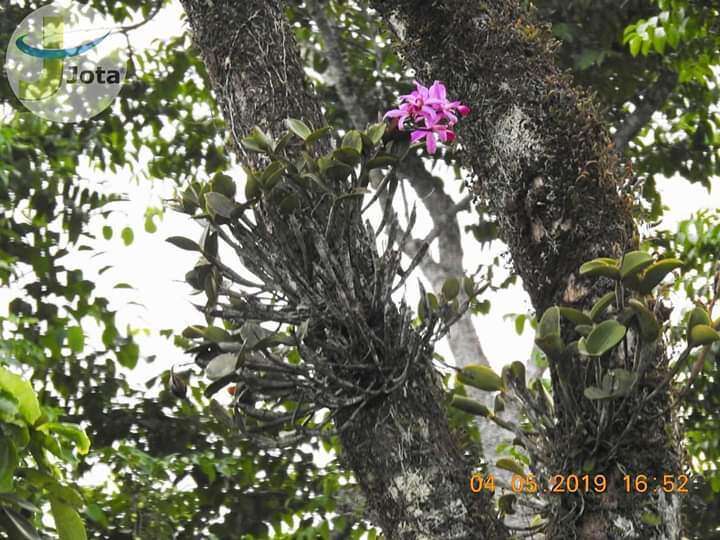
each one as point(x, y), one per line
point(428, 114)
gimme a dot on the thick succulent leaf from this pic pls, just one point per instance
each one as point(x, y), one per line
point(510, 465)
point(451, 288)
point(602, 338)
point(703, 334)
point(634, 262)
point(656, 272)
point(219, 204)
point(617, 382)
point(299, 128)
point(593, 392)
point(601, 267)
point(575, 316)
point(470, 406)
point(183, 243)
point(481, 377)
point(649, 326)
point(601, 305)
point(222, 365)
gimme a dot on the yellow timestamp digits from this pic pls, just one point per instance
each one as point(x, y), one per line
point(644, 483)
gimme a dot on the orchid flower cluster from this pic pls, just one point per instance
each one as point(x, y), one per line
point(431, 116)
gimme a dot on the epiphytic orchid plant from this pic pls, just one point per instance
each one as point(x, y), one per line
point(428, 114)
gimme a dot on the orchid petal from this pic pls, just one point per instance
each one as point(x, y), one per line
point(415, 136)
point(431, 143)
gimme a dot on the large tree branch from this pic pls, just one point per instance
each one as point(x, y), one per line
point(649, 102)
point(546, 167)
point(328, 272)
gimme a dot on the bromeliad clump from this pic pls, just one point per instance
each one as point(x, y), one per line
point(428, 114)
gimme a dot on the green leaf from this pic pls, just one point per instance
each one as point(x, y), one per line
point(482, 377)
point(451, 288)
point(470, 406)
point(299, 128)
point(222, 183)
point(697, 316)
point(22, 391)
point(651, 519)
point(375, 132)
point(252, 187)
point(76, 339)
point(381, 160)
point(655, 273)
point(584, 329)
point(97, 514)
point(517, 369)
point(593, 392)
point(8, 464)
point(271, 175)
point(499, 405)
point(549, 323)
point(510, 465)
point(602, 338)
point(221, 366)
point(347, 155)
point(194, 332)
point(353, 140)
point(649, 326)
point(602, 266)
point(634, 262)
point(575, 316)
point(69, 431)
point(150, 226)
point(635, 43)
point(317, 135)
point(548, 337)
point(107, 232)
point(8, 405)
point(219, 204)
point(289, 204)
point(617, 382)
point(68, 522)
point(127, 236)
point(469, 286)
point(422, 310)
point(258, 141)
point(703, 334)
point(601, 305)
point(659, 40)
point(216, 334)
point(183, 243)
point(128, 354)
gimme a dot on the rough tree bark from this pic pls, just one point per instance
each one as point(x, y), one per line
point(544, 162)
point(400, 447)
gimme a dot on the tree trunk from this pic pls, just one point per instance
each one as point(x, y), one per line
point(399, 445)
point(543, 161)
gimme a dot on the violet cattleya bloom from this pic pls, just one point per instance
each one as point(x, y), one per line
point(428, 114)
